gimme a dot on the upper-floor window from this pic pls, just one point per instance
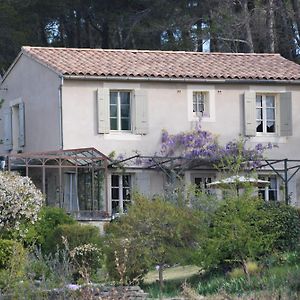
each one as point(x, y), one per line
point(201, 104)
point(14, 125)
point(268, 114)
point(119, 110)
point(265, 113)
point(122, 111)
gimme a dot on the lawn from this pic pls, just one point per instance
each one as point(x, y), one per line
point(174, 273)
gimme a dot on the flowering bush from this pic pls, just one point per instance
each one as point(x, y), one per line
point(201, 144)
point(20, 201)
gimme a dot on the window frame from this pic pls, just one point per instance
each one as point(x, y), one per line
point(205, 178)
point(264, 114)
point(266, 190)
point(121, 196)
point(206, 104)
point(119, 117)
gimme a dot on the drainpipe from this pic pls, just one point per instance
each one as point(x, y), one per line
point(61, 145)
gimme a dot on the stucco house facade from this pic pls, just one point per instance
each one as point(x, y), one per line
point(57, 99)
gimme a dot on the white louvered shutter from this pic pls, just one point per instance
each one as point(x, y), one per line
point(250, 113)
point(103, 110)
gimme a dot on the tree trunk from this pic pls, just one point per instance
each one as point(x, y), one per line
point(161, 279)
point(296, 8)
point(247, 25)
point(245, 268)
point(271, 22)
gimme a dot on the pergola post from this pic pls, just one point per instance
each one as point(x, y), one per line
point(286, 191)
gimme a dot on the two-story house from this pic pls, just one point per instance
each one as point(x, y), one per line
point(56, 99)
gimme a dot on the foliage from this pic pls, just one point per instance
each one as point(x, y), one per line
point(42, 232)
point(13, 269)
point(7, 251)
point(284, 221)
point(276, 279)
point(235, 234)
point(76, 235)
point(246, 228)
point(154, 232)
point(20, 201)
point(201, 144)
point(229, 26)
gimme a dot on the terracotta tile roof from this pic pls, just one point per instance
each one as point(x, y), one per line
point(165, 64)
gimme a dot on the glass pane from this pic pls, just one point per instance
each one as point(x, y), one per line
point(113, 111)
point(126, 205)
point(261, 194)
point(259, 126)
point(270, 101)
point(125, 97)
point(270, 113)
point(113, 97)
point(258, 101)
point(114, 180)
point(125, 111)
point(273, 183)
point(126, 180)
point(126, 194)
point(113, 124)
point(270, 126)
point(272, 195)
point(115, 206)
point(115, 193)
point(259, 113)
point(125, 124)
point(195, 107)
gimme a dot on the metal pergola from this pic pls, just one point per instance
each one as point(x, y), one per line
point(285, 168)
point(88, 159)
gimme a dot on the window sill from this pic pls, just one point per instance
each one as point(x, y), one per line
point(269, 138)
point(203, 119)
point(122, 136)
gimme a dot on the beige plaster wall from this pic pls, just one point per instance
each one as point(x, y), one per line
point(38, 87)
point(168, 107)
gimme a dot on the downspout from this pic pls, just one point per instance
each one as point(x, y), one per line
point(60, 118)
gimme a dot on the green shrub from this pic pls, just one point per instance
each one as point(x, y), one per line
point(246, 228)
point(81, 240)
point(284, 221)
point(42, 231)
point(7, 250)
point(76, 235)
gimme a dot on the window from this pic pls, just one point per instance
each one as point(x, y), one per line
point(270, 192)
point(265, 113)
point(200, 104)
point(120, 192)
point(122, 111)
point(14, 125)
point(201, 184)
point(268, 114)
point(119, 110)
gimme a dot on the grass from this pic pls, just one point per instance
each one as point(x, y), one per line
point(173, 273)
point(281, 280)
point(173, 278)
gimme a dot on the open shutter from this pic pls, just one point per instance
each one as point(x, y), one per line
point(286, 114)
point(250, 113)
point(141, 112)
point(103, 110)
point(8, 129)
point(21, 137)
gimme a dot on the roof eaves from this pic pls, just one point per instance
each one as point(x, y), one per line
point(185, 79)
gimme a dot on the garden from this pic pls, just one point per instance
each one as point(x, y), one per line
point(183, 243)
